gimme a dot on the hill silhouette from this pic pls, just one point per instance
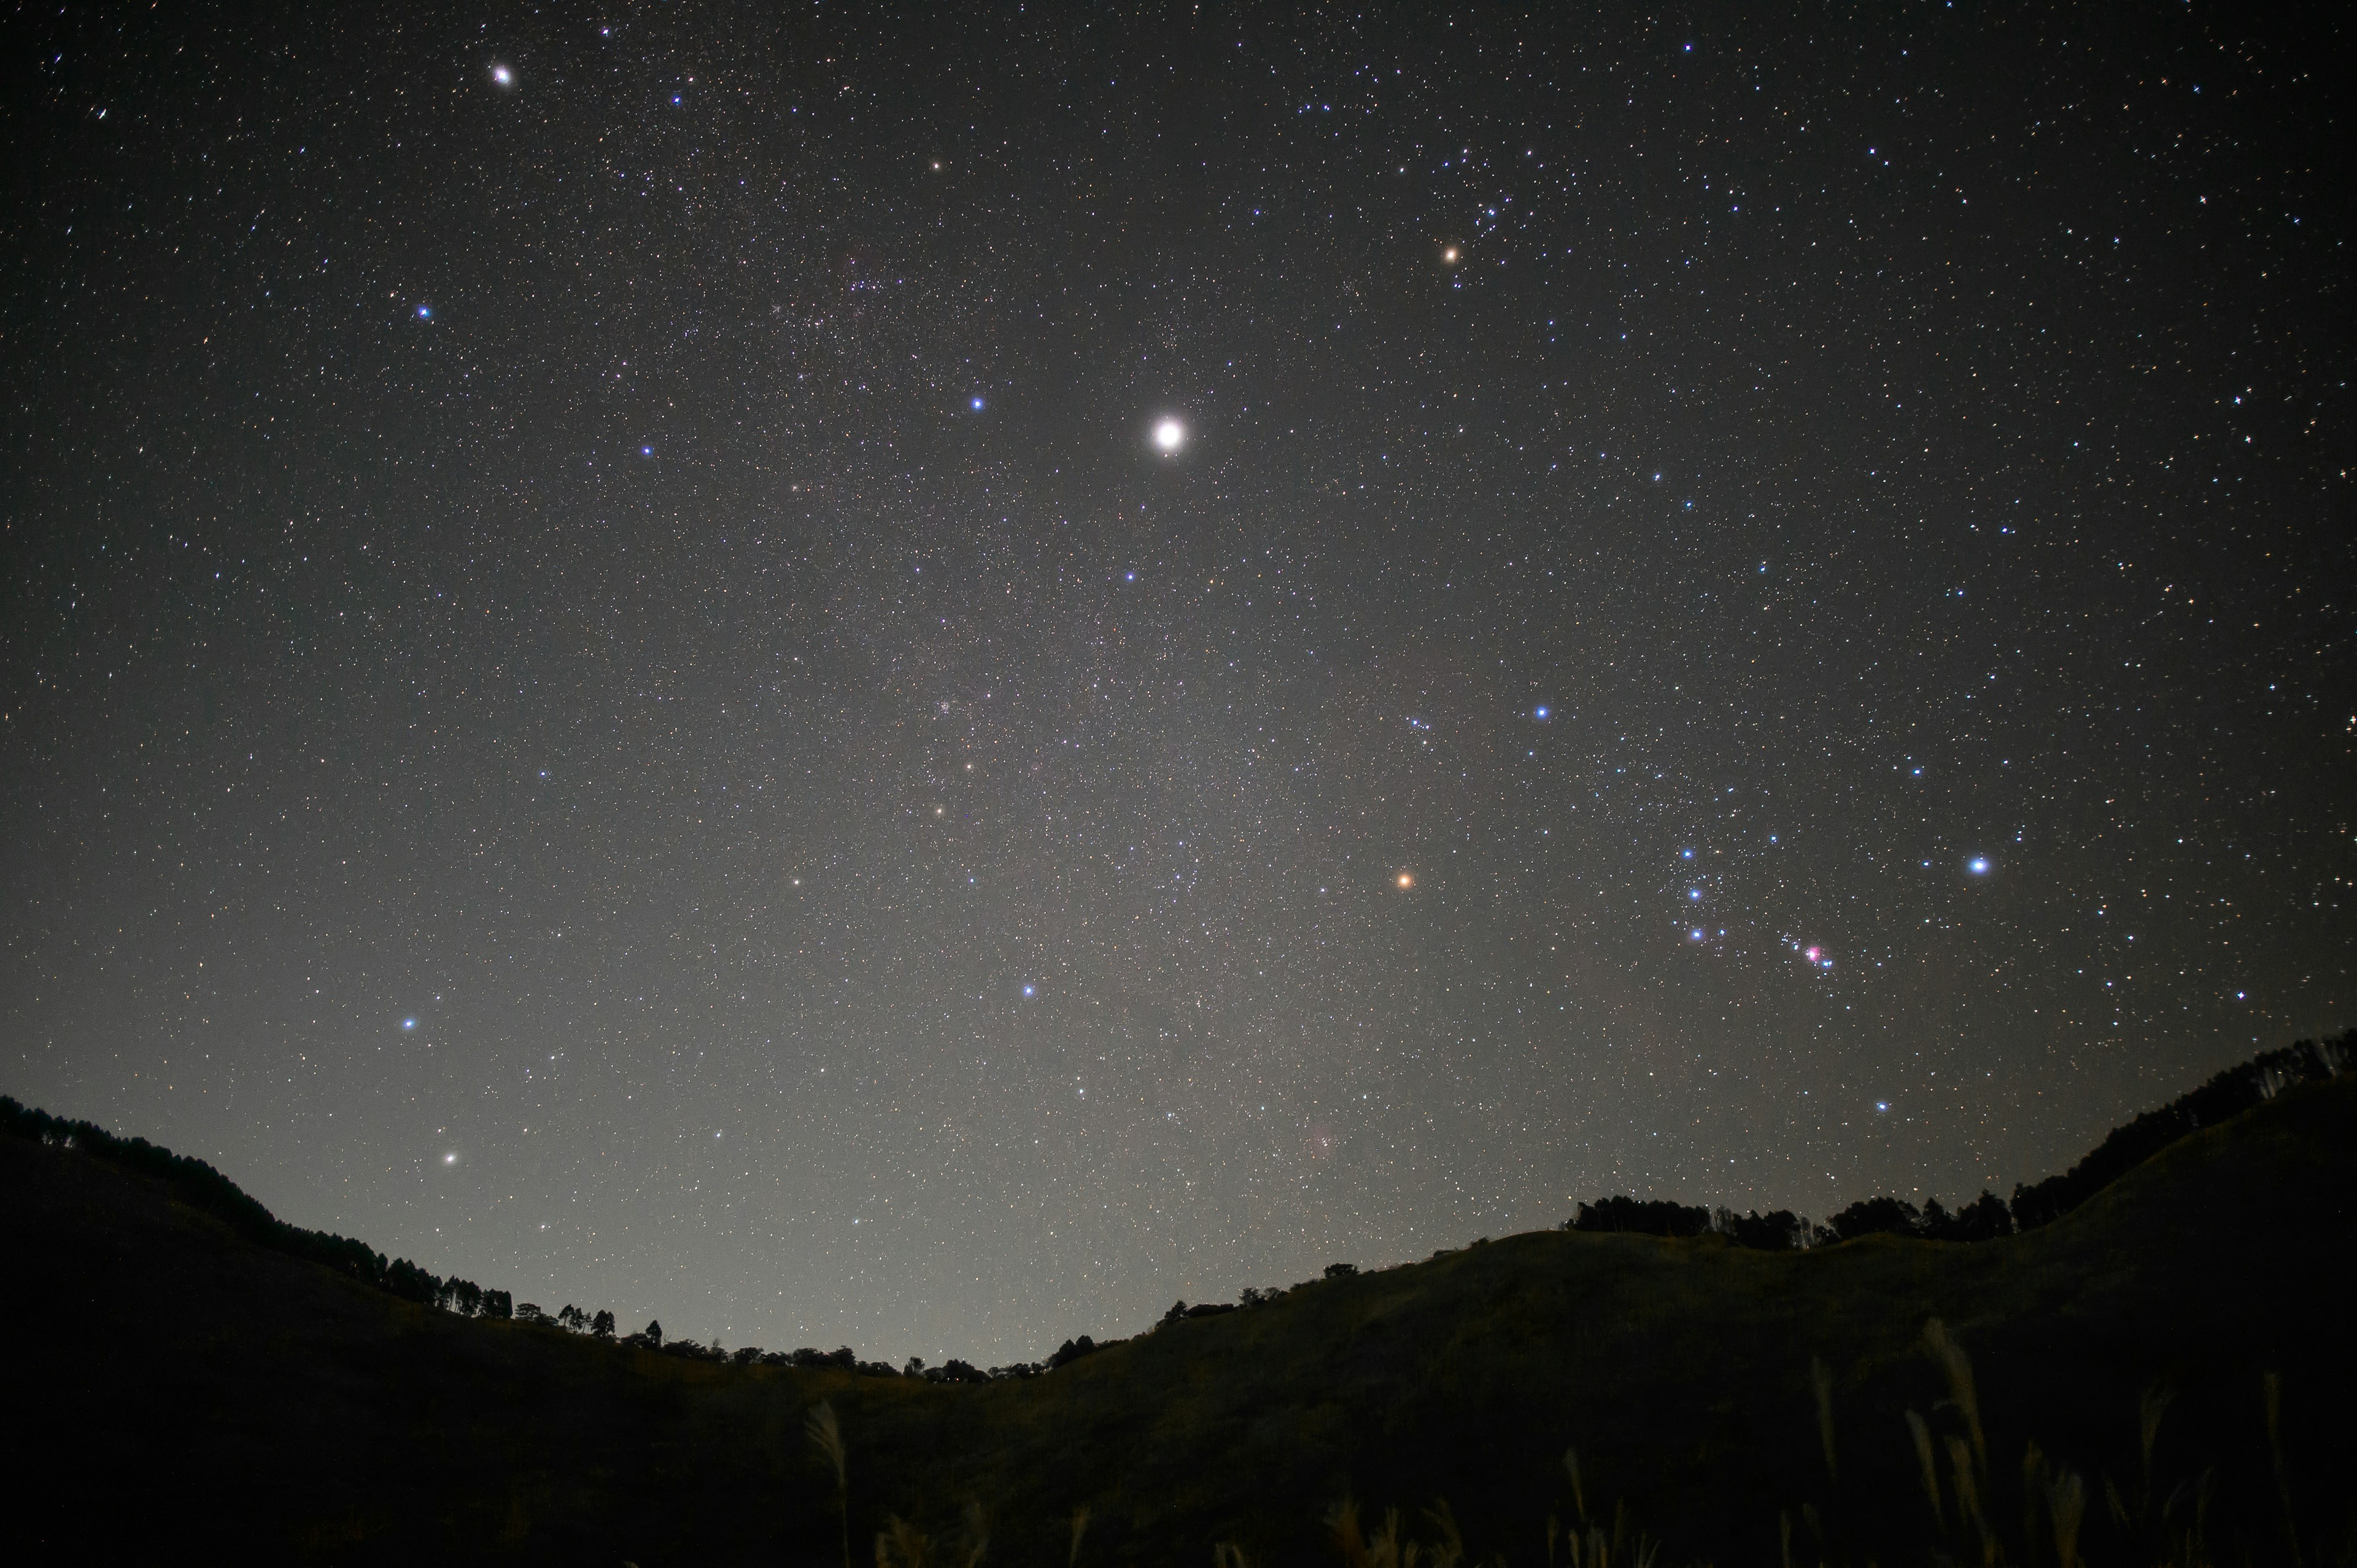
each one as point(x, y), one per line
point(2161, 1368)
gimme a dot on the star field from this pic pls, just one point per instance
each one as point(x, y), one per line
point(926, 682)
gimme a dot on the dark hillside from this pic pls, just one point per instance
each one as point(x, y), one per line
point(181, 1391)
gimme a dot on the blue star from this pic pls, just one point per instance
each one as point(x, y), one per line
point(409, 1023)
point(1029, 990)
point(977, 405)
point(1541, 713)
point(1977, 868)
point(424, 313)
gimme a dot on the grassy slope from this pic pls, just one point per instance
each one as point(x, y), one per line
point(215, 1392)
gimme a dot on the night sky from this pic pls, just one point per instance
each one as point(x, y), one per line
point(609, 685)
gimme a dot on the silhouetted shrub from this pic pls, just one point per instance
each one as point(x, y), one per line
point(1653, 1217)
point(1177, 1313)
point(651, 1333)
point(1071, 1350)
point(602, 1325)
point(1341, 1271)
point(746, 1354)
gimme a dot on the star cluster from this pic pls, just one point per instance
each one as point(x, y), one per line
point(925, 686)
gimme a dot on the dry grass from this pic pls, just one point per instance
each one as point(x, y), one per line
point(2271, 1386)
point(1921, 1430)
point(1950, 1469)
point(900, 1545)
point(826, 1435)
point(1821, 1379)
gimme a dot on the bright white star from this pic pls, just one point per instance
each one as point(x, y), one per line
point(1169, 435)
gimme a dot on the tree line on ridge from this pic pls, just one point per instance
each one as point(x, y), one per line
point(1988, 1218)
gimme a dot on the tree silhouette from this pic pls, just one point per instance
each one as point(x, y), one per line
point(1984, 1220)
point(1779, 1231)
point(1974, 1222)
point(410, 1282)
point(1654, 1218)
point(1873, 1215)
point(956, 1371)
